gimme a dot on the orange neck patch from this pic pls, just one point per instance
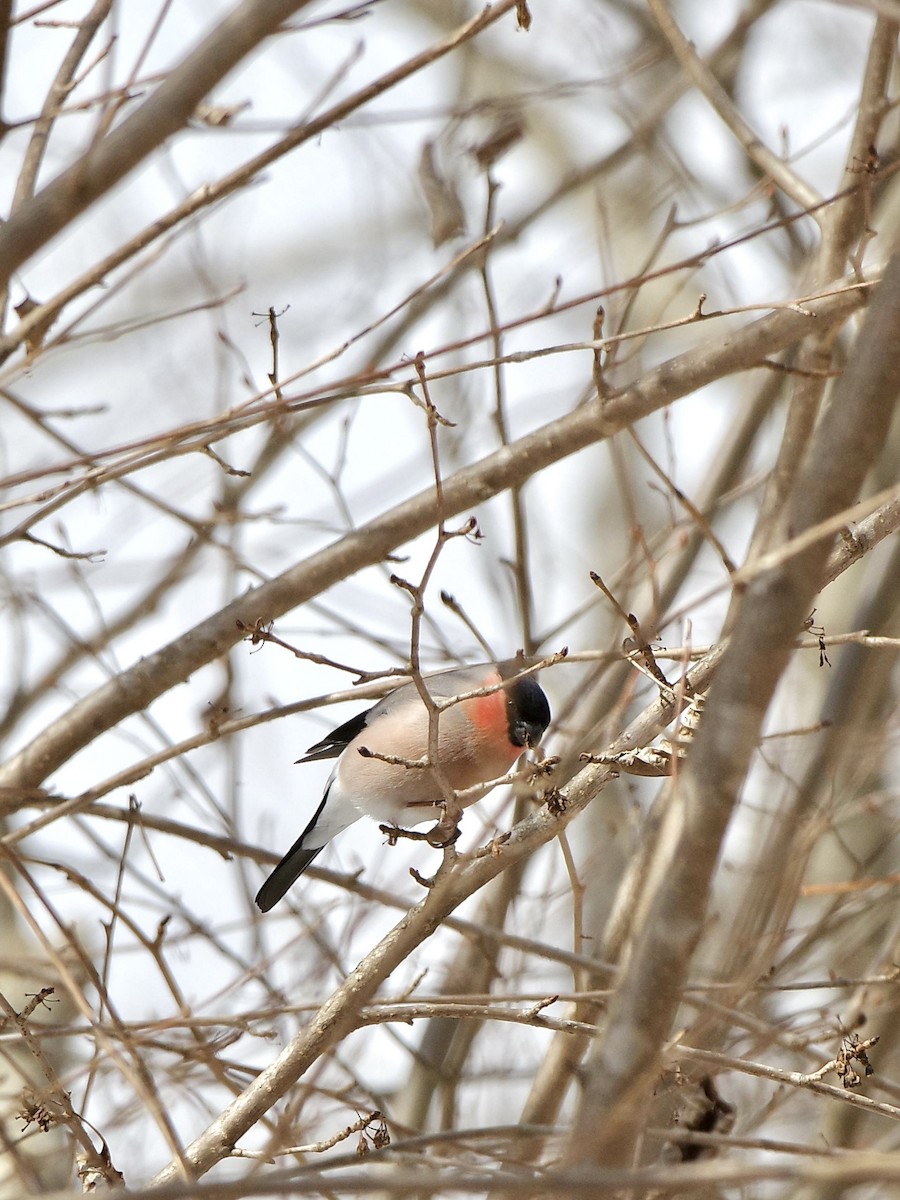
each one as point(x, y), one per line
point(488, 715)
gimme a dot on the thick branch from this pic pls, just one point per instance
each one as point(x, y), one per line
point(164, 113)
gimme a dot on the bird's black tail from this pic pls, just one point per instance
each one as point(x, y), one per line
point(291, 866)
point(285, 874)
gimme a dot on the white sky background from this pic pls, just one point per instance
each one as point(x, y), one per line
point(335, 234)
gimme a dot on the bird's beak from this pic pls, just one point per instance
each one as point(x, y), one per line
point(529, 735)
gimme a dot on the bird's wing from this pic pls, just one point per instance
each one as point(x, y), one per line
point(441, 685)
point(338, 740)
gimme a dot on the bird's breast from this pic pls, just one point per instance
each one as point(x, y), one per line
point(473, 746)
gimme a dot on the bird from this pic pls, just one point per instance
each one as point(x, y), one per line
point(479, 739)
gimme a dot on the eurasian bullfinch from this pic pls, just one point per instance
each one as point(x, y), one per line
point(478, 739)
